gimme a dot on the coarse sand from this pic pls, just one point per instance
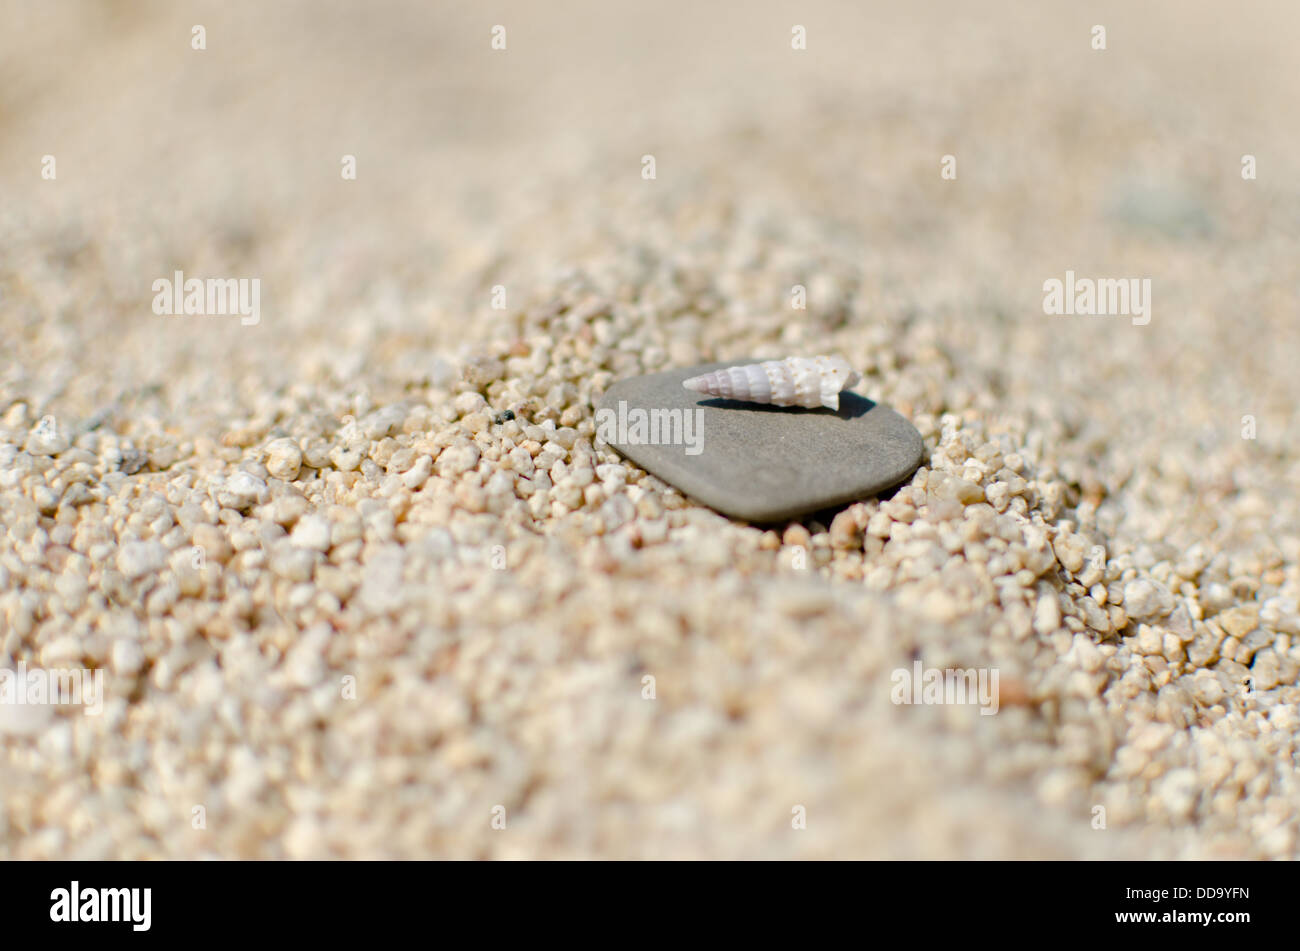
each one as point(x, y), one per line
point(344, 606)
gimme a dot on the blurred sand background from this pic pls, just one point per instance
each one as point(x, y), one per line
point(478, 688)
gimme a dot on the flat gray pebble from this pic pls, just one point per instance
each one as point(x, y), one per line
point(758, 462)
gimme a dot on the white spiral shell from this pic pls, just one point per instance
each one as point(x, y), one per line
point(795, 381)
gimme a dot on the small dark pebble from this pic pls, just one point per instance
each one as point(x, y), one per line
point(133, 460)
point(503, 416)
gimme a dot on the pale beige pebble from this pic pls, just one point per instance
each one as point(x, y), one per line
point(283, 459)
point(1228, 648)
point(1145, 600)
point(649, 506)
point(137, 559)
point(336, 581)
point(163, 597)
point(291, 563)
point(189, 581)
point(245, 537)
point(653, 531)
point(673, 501)
point(400, 460)
point(242, 490)
point(72, 587)
point(77, 494)
point(1204, 648)
point(1180, 622)
point(880, 525)
point(1150, 737)
point(1285, 718)
point(345, 459)
point(1207, 688)
point(1251, 644)
point(46, 499)
point(469, 402)
point(1216, 596)
point(62, 651)
point(1278, 613)
point(845, 535)
point(1176, 792)
point(1087, 655)
point(592, 497)
point(1149, 639)
point(1278, 842)
point(285, 509)
point(1266, 670)
point(568, 493)
point(316, 453)
point(1093, 615)
point(1070, 549)
point(1047, 613)
point(127, 657)
point(961, 490)
point(521, 461)
point(1172, 647)
point(1239, 621)
point(164, 456)
point(612, 474)
point(797, 535)
point(47, 438)
point(1094, 571)
point(16, 416)
point(304, 664)
point(471, 497)
point(213, 541)
point(312, 532)
point(501, 482)
point(945, 510)
point(551, 456)
point(304, 839)
point(25, 719)
point(539, 503)
point(531, 447)
point(582, 475)
point(479, 371)
point(524, 488)
point(565, 437)
point(418, 474)
point(557, 397)
point(457, 459)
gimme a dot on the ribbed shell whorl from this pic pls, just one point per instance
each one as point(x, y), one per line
point(795, 381)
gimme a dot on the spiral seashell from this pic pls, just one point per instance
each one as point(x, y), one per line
point(795, 381)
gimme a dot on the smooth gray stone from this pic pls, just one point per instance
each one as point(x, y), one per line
point(757, 462)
